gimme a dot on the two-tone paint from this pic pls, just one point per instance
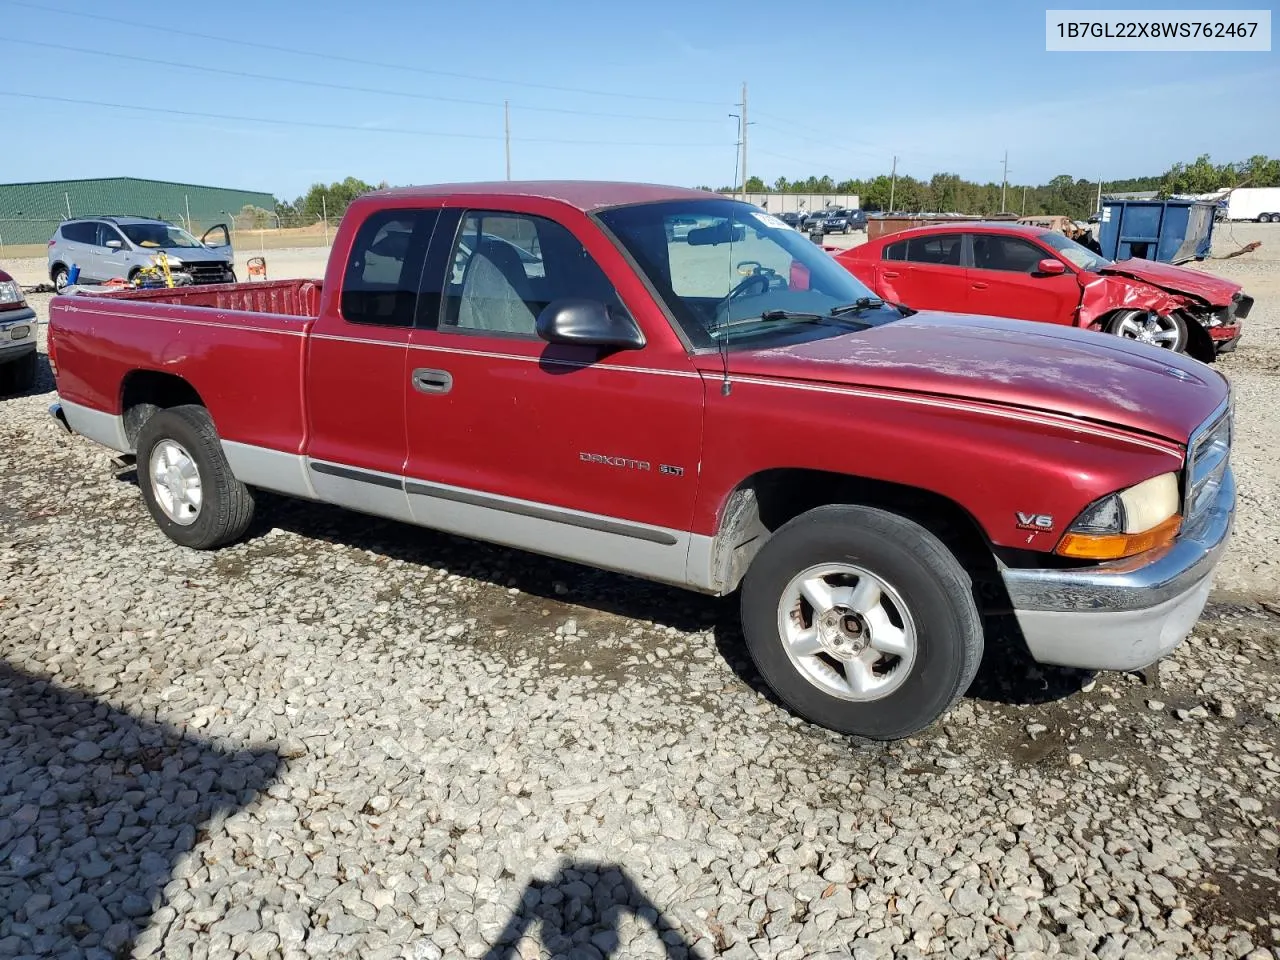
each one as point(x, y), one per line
point(994, 419)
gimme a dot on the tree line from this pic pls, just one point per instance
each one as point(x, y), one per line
point(1064, 194)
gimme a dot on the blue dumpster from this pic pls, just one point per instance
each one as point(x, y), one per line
point(1174, 231)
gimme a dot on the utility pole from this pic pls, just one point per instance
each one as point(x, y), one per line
point(1024, 202)
point(324, 214)
point(744, 140)
point(893, 183)
point(1098, 208)
point(506, 120)
point(1005, 182)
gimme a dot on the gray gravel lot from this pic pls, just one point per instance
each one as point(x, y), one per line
point(349, 738)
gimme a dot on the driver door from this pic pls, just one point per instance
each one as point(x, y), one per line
point(218, 239)
point(582, 453)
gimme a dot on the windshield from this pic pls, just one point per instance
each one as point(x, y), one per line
point(739, 271)
point(158, 235)
point(1081, 256)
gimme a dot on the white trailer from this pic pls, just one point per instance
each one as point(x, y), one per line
point(1254, 203)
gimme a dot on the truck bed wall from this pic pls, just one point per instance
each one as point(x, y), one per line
point(293, 298)
point(246, 365)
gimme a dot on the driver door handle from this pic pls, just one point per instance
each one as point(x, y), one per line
point(432, 381)
point(891, 274)
point(979, 285)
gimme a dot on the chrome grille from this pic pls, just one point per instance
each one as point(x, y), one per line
point(1208, 456)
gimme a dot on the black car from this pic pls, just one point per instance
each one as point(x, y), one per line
point(791, 218)
point(809, 217)
point(842, 221)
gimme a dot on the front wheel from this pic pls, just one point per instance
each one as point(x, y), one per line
point(59, 278)
point(186, 482)
point(1166, 331)
point(861, 621)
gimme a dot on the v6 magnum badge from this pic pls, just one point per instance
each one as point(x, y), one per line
point(1040, 522)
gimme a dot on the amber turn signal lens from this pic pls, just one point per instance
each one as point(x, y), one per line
point(1114, 546)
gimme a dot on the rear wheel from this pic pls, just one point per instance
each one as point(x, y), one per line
point(1166, 331)
point(59, 278)
point(1264, 218)
point(861, 621)
point(186, 482)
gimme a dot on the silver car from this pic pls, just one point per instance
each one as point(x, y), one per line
point(106, 248)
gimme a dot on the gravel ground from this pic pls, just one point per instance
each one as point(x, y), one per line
point(349, 738)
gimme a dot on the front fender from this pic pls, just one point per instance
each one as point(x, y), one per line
point(1108, 294)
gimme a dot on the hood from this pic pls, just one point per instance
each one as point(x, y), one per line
point(1214, 290)
point(1043, 367)
point(188, 254)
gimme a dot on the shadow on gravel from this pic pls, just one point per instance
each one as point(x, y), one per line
point(44, 382)
point(581, 907)
point(96, 807)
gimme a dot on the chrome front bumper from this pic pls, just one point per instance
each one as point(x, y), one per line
point(1129, 613)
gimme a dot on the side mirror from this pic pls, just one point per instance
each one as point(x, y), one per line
point(577, 320)
point(114, 244)
point(1051, 267)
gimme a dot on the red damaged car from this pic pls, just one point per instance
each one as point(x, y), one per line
point(1008, 270)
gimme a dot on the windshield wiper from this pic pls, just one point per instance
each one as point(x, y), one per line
point(796, 316)
point(862, 303)
point(869, 303)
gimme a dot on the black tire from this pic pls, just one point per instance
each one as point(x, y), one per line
point(227, 504)
point(59, 272)
point(18, 376)
point(1264, 218)
point(933, 586)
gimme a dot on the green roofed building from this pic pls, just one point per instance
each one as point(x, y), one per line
point(30, 212)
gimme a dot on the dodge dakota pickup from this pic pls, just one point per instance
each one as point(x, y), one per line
point(549, 366)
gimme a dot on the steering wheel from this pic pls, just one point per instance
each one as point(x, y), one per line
point(759, 277)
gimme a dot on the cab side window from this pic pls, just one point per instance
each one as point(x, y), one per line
point(382, 281)
point(505, 268)
point(896, 251)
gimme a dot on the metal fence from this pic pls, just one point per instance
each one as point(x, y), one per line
point(803, 202)
point(31, 212)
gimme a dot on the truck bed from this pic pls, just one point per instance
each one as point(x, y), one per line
point(292, 298)
point(240, 346)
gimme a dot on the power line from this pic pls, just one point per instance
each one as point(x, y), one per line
point(340, 58)
point(381, 91)
point(348, 127)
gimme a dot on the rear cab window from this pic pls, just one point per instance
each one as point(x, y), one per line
point(382, 282)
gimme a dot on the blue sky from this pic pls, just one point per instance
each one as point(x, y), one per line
point(642, 92)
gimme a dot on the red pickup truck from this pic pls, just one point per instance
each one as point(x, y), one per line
point(552, 367)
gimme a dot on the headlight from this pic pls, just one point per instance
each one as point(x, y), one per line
point(1207, 461)
point(174, 261)
point(11, 295)
point(1140, 518)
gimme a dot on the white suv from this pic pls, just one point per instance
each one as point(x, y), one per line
point(105, 248)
